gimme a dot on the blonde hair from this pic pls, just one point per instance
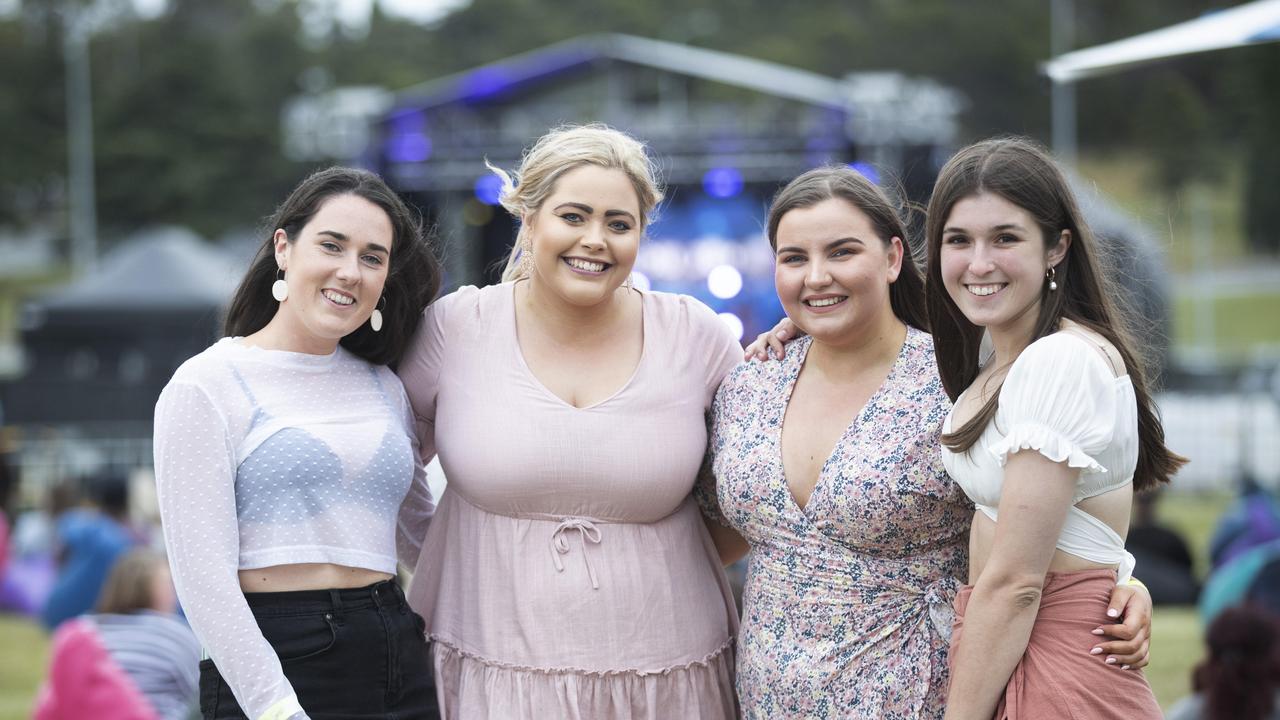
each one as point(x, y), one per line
point(563, 149)
point(128, 588)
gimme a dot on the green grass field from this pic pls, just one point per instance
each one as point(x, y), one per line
point(1241, 322)
point(24, 650)
point(1244, 319)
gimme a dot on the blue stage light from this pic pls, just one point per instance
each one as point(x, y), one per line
point(735, 324)
point(407, 140)
point(486, 82)
point(866, 170)
point(488, 189)
point(724, 281)
point(724, 182)
point(410, 147)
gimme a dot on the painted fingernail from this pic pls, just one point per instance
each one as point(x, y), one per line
point(1112, 612)
point(1098, 631)
point(1096, 651)
point(1111, 661)
point(1124, 667)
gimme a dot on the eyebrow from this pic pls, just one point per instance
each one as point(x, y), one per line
point(997, 228)
point(343, 238)
point(830, 246)
point(590, 210)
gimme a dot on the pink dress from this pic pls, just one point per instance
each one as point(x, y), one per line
point(567, 572)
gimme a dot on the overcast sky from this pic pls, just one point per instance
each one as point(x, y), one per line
point(420, 10)
point(353, 13)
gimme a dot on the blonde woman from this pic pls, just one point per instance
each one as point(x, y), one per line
point(567, 572)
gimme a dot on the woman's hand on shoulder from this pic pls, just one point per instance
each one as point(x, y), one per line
point(771, 342)
point(1131, 644)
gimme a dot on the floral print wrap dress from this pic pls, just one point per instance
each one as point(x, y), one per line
point(847, 604)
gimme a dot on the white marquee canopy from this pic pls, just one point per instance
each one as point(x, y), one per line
point(1248, 24)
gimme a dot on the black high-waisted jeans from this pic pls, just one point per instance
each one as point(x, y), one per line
point(357, 653)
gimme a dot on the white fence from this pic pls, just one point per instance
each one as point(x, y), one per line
point(1226, 436)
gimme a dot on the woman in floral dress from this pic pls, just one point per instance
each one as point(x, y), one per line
point(828, 465)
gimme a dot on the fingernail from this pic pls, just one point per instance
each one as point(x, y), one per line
point(1124, 667)
point(1111, 661)
point(1098, 631)
point(1096, 651)
point(1112, 612)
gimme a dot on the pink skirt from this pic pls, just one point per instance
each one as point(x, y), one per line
point(1057, 677)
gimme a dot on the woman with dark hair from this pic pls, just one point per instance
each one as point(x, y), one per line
point(287, 471)
point(1240, 678)
point(1050, 435)
point(828, 463)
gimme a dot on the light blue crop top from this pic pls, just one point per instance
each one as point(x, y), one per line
point(269, 458)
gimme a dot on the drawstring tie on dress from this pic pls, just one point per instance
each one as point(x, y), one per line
point(587, 532)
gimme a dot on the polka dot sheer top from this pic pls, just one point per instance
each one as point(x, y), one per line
point(265, 458)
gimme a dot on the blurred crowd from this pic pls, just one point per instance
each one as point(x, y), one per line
point(100, 584)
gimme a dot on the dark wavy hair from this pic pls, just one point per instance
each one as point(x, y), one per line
point(1241, 674)
point(413, 275)
point(1023, 173)
point(906, 294)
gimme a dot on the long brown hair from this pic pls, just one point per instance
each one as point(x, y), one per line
point(906, 294)
point(1022, 172)
point(413, 276)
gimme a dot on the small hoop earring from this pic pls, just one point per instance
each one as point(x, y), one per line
point(375, 319)
point(1051, 275)
point(280, 288)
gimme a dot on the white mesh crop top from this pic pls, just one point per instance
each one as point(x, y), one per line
point(265, 458)
point(1062, 400)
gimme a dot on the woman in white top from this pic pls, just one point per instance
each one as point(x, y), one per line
point(1049, 436)
point(287, 470)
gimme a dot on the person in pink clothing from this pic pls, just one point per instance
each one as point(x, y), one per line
point(1052, 431)
point(567, 572)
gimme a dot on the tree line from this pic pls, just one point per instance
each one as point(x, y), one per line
point(187, 104)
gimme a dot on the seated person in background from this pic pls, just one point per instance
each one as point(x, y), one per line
point(137, 621)
point(1162, 553)
point(1240, 677)
point(5, 486)
point(1252, 520)
point(133, 659)
point(89, 541)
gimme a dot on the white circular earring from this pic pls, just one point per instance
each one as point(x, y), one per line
point(375, 319)
point(1051, 275)
point(280, 288)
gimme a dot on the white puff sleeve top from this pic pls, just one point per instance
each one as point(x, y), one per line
point(269, 458)
point(1062, 400)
